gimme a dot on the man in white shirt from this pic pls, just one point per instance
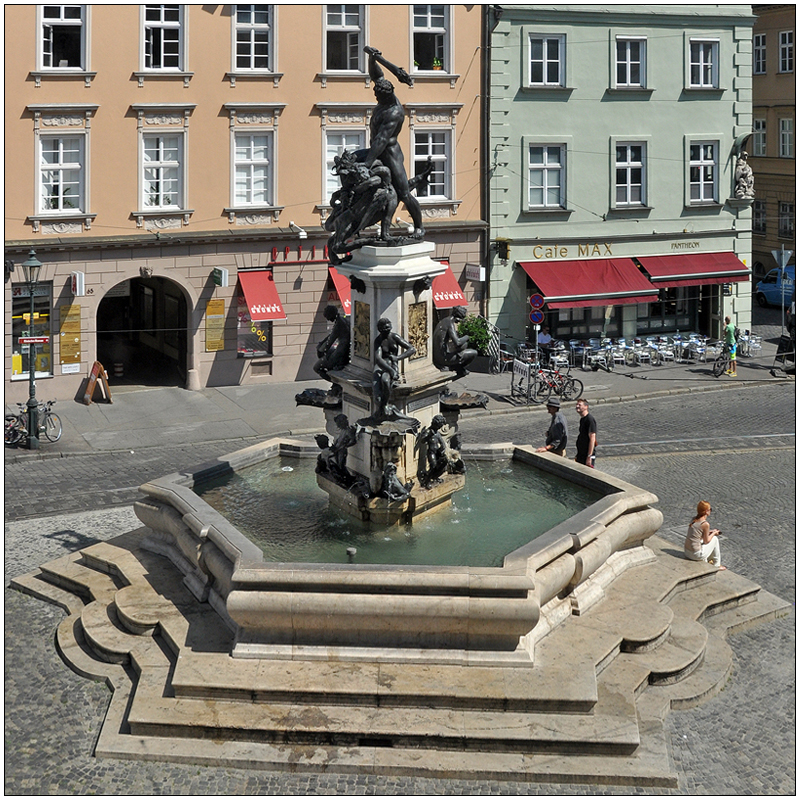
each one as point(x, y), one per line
point(545, 339)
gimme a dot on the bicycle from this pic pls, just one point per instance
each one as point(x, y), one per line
point(16, 425)
point(722, 361)
point(548, 382)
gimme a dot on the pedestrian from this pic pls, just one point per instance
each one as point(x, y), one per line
point(730, 346)
point(586, 443)
point(702, 542)
point(556, 441)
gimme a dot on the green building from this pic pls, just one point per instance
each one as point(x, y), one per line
point(612, 158)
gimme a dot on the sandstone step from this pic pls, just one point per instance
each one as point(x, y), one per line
point(727, 590)
point(153, 714)
point(218, 676)
point(104, 635)
point(36, 585)
point(69, 574)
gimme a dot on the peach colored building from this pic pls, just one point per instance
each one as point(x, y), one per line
point(771, 146)
point(163, 159)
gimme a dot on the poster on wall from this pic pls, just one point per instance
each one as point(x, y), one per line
point(215, 326)
point(69, 339)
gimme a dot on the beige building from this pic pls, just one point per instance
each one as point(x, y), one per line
point(171, 167)
point(771, 146)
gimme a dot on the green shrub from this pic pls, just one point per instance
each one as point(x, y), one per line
point(477, 328)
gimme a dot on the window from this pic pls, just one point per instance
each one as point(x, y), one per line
point(759, 137)
point(546, 176)
point(786, 39)
point(703, 61)
point(344, 41)
point(630, 62)
point(63, 37)
point(253, 169)
point(760, 54)
point(786, 220)
point(434, 145)
point(787, 138)
point(430, 29)
point(335, 143)
point(760, 216)
point(61, 170)
point(547, 60)
point(253, 32)
point(22, 325)
point(162, 172)
point(630, 175)
point(703, 172)
point(162, 37)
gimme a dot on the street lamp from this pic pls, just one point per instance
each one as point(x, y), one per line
point(31, 268)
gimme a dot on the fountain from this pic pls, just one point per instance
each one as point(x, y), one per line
point(217, 654)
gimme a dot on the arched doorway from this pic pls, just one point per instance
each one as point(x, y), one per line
point(141, 333)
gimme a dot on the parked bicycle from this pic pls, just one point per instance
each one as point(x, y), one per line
point(16, 425)
point(549, 382)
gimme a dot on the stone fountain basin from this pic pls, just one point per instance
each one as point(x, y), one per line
point(455, 615)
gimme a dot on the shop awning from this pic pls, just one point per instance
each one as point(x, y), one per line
point(342, 285)
point(446, 291)
point(261, 295)
point(590, 282)
point(697, 269)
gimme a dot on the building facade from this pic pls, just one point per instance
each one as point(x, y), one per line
point(771, 146)
point(613, 143)
point(171, 165)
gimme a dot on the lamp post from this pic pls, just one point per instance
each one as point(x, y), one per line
point(31, 268)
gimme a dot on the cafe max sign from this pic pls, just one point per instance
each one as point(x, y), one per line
point(548, 252)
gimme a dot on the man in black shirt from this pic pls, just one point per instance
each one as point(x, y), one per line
point(587, 434)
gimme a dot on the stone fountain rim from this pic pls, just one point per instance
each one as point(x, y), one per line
point(177, 489)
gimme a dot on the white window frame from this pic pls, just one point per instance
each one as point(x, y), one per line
point(330, 135)
point(356, 38)
point(250, 165)
point(253, 29)
point(178, 164)
point(444, 54)
point(759, 137)
point(702, 162)
point(423, 146)
point(546, 169)
point(703, 57)
point(786, 51)
point(786, 137)
point(628, 166)
point(148, 25)
point(760, 217)
point(785, 220)
point(544, 38)
point(61, 167)
point(626, 63)
point(759, 54)
point(43, 23)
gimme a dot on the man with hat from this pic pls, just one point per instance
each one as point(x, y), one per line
point(556, 441)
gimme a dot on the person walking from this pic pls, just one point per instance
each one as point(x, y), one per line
point(587, 434)
point(556, 441)
point(730, 346)
point(702, 541)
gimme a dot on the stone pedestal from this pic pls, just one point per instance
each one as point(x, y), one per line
point(392, 283)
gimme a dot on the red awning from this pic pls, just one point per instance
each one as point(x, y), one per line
point(697, 269)
point(593, 282)
point(446, 291)
point(342, 288)
point(261, 295)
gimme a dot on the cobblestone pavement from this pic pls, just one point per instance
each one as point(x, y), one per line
point(740, 456)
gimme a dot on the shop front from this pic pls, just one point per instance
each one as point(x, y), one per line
point(634, 296)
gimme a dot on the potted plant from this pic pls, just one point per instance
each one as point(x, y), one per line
point(437, 63)
point(480, 337)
